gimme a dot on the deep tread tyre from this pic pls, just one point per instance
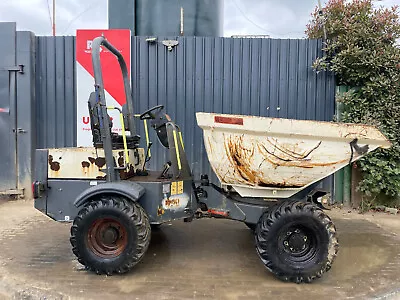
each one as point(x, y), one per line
point(110, 235)
point(296, 241)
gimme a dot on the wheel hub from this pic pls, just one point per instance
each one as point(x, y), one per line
point(107, 238)
point(110, 235)
point(295, 241)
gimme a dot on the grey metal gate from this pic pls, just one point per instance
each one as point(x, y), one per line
point(8, 161)
point(17, 110)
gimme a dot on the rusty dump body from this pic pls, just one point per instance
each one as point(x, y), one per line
point(276, 158)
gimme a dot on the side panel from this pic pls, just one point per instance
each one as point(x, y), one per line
point(61, 195)
point(163, 201)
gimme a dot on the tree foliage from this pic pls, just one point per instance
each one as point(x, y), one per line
point(361, 50)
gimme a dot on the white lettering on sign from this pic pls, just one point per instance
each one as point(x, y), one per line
point(89, 44)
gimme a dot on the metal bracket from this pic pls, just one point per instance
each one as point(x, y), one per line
point(19, 130)
point(16, 192)
point(170, 44)
point(19, 69)
point(360, 150)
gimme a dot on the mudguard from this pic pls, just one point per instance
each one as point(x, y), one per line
point(127, 189)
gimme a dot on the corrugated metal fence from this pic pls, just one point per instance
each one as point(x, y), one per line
point(265, 77)
point(55, 92)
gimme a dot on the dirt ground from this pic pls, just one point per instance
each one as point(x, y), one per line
point(205, 259)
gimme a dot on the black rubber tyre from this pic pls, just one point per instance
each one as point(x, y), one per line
point(296, 241)
point(110, 235)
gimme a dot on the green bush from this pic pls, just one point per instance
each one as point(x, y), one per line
point(361, 50)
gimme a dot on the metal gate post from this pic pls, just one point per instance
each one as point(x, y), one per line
point(17, 109)
point(26, 131)
point(8, 158)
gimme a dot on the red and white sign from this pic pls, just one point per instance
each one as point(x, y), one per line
point(112, 77)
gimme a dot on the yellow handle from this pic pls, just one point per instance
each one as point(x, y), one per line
point(180, 137)
point(146, 130)
point(178, 157)
point(121, 117)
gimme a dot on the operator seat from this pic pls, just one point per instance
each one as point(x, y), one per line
point(116, 139)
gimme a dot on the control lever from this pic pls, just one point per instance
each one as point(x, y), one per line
point(143, 171)
point(164, 173)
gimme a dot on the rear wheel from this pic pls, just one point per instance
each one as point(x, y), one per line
point(296, 241)
point(110, 235)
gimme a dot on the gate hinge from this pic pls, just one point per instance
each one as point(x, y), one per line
point(170, 44)
point(19, 69)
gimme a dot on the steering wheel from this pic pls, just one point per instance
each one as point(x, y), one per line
point(151, 113)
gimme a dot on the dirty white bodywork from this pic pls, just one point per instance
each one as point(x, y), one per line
point(86, 162)
point(276, 158)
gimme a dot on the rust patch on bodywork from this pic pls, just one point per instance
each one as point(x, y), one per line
point(240, 158)
point(85, 164)
point(160, 211)
point(278, 159)
point(121, 160)
point(210, 145)
point(127, 173)
point(247, 157)
point(288, 153)
point(54, 165)
point(99, 161)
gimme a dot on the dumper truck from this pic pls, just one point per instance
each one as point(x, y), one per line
point(268, 171)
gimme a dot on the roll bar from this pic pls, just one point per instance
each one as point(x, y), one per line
point(111, 171)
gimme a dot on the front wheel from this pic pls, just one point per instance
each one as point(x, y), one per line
point(296, 241)
point(110, 235)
